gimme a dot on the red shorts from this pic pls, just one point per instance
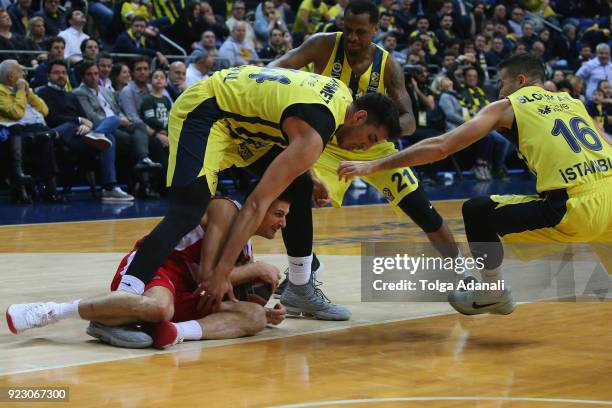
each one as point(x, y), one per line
point(175, 276)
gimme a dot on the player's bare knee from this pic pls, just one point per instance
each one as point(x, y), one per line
point(158, 310)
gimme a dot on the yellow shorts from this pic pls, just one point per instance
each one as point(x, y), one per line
point(588, 219)
point(393, 184)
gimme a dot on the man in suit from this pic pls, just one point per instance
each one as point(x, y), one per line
point(99, 104)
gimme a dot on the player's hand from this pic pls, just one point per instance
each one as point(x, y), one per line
point(277, 315)
point(320, 193)
point(214, 290)
point(269, 274)
point(349, 169)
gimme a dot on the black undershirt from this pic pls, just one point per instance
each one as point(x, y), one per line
point(317, 116)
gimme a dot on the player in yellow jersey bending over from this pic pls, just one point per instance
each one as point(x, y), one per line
point(364, 67)
point(275, 121)
point(555, 135)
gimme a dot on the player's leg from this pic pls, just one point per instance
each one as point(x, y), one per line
point(489, 218)
point(189, 194)
point(301, 297)
point(403, 191)
point(233, 320)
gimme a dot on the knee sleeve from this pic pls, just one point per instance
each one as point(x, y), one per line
point(297, 235)
point(417, 206)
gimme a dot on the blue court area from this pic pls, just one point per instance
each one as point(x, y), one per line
point(81, 206)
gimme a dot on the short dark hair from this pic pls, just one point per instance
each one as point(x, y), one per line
point(140, 58)
point(382, 111)
point(159, 69)
point(524, 63)
point(363, 6)
point(56, 62)
point(138, 18)
point(54, 40)
point(70, 14)
point(84, 44)
point(104, 55)
point(85, 66)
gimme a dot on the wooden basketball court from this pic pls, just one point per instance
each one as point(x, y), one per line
point(546, 354)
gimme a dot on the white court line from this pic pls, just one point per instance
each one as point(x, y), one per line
point(202, 344)
point(406, 399)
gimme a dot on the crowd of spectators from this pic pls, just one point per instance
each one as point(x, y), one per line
point(86, 87)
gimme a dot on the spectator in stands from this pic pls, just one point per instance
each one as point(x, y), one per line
point(120, 76)
point(605, 86)
point(214, 22)
point(133, 8)
point(55, 51)
point(155, 112)
point(477, 18)
point(596, 69)
point(550, 86)
point(105, 65)
point(54, 17)
point(576, 87)
point(446, 33)
point(130, 97)
point(500, 14)
point(384, 27)
point(497, 53)
point(238, 12)
point(9, 40)
point(23, 112)
point(192, 21)
point(89, 52)
point(586, 53)
point(74, 35)
point(517, 18)
point(428, 38)
point(78, 135)
point(208, 43)
point(200, 68)
point(310, 14)
point(35, 40)
point(494, 148)
point(266, 21)
point(276, 45)
point(405, 19)
point(19, 12)
point(135, 41)
point(566, 48)
point(131, 138)
point(333, 26)
point(236, 49)
point(449, 101)
point(176, 83)
point(165, 12)
point(529, 36)
point(600, 110)
point(281, 8)
point(558, 76)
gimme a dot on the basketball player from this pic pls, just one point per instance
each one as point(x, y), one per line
point(555, 136)
point(353, 58)
point(168, 299)
point(276, 122)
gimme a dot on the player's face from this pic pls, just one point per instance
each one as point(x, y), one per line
point(507, 84)
point(274, 219)
point(358, 134)
point(358, 32)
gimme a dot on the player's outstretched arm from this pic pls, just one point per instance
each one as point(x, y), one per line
point(218, 220)
point(396, 89)
point(497, 116)
point(305, 147)
point(301, 56)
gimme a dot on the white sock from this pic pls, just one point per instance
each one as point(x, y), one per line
point(69, 310)
point(190, 330)
point(494, 276)
point(299, 269)
point(131, 284)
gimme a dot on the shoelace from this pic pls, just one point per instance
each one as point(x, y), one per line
point(319, 292)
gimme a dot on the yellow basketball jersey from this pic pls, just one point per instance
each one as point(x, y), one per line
point(372, 80)
point(558, 140)
point(253, 99)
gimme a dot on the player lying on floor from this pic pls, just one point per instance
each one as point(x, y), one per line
point(169, 302)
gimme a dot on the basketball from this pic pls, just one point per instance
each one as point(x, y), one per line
point(256, 291)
